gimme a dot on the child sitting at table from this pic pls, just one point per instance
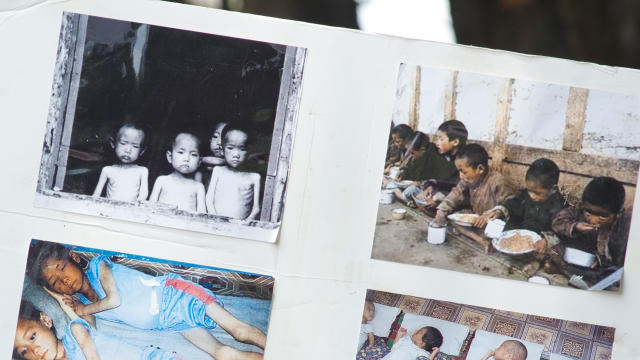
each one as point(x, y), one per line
point(401, 136)
point(478, 185)
point(441, 173)
point(535, 206)
point(598, 226)
point(508, 350)
point(425, 341)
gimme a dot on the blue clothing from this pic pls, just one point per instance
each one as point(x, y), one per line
point(165, 302)
point(111, 348)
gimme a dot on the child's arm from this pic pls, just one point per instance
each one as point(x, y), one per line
point(213, 161)
point(112, 298)
point(82, 336)
point(371, 339)
point(449, 204)
point(144, 184)
point(434, 353)
point(210, 192)
point(101, 182)
point(489, 355)
point(201, 207)
point(255, 179)
point(66, 304)
point(157, 188)
point(564, 223)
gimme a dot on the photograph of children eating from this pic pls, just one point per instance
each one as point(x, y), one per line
point(88, 303)
point(508, 178)
point(172, 127)
point(402, 327)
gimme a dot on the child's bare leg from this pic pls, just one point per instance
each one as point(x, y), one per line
point(201, 338)
point(398, 194)
point(240, 331)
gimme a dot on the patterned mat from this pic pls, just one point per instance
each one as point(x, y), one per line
point(568, 338)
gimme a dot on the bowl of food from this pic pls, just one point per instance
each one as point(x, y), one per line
point(579, 257)
point(398, 214)
point(516, 242)
point(463, 219)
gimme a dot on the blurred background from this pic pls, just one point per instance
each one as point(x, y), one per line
point(600, 31)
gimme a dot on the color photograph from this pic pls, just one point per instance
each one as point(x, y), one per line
point(170, 127)
point(401, 327)
point(84, 303)
point(509, 178)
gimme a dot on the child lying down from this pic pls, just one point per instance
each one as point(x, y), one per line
point(423, 342)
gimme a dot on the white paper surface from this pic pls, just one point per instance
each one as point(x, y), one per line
point(321, 263)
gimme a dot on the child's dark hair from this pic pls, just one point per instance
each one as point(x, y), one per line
point(455, 129)
point(199, 143)
point(237, 127)
point(432, 338)
point(41, 251)
point(605, 192)
point(420, 140)
point(474, 155)
point(28, 312)
point(543, 172)
point(132, 124)
point(403, 131)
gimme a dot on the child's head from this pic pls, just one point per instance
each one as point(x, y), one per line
point(472, 163)
point(603, 201)
point(128, 143)
point(35, 336)
point(401, 136)
point(427, 338)
point(541, 179)
point(57, 268)
point(184, 155)
point(451, 135)
point(369, 311)
point(234, 144)
point(215, 143)
point(418, 143)
point(511, 350)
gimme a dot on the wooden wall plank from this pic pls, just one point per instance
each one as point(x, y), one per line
point(575, 119)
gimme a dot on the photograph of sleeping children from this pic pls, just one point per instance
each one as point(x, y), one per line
point(401, 327)
point(83, 303)
point(170, 127)
point(509, 178)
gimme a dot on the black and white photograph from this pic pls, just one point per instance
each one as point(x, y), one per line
point(170, 127)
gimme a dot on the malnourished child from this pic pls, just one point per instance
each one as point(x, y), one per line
point(125, 180)
point(478, 185)
point(35, 339)
point(234, 193)
point(115, 292)
point(423, 342)
point(508, 350)
point(179, 188)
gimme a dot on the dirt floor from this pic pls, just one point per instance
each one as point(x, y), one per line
point(404, 241)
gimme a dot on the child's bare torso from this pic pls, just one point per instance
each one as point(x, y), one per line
point(180, 191)
point(233, 192)
point(124, 181)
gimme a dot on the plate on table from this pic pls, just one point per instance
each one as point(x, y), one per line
point(463, 219)
point(516, 242)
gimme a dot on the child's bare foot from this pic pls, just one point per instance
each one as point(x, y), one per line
point(411, 204)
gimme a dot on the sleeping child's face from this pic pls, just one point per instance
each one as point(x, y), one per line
point(417, 338)
point(129, 144)
point(369, 312)
point(184, 156)
point(235, 147)
point(63, 276)
point(36, 340)
point(215, 144)
point(598, 216)
point(467, 173)
point(537, 192)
